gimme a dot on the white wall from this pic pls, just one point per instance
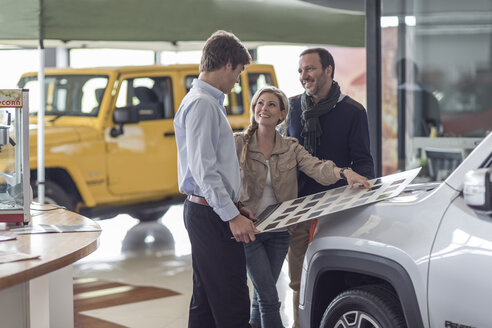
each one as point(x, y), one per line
point(13, 63)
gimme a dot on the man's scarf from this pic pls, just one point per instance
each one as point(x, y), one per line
point(311, 129)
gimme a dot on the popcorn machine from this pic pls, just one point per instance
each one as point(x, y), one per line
point(15, 189)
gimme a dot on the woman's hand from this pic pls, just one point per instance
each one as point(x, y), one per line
point(353, 177)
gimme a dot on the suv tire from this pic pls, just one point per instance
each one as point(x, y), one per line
point(54, 194)
point(371, 306)
point(149, 215)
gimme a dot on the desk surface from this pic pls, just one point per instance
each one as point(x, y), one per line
point(56, 250)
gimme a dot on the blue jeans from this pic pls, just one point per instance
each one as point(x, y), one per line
point(264, 259)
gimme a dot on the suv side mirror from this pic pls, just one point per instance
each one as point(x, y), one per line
point(478, 190)
point(123, 115)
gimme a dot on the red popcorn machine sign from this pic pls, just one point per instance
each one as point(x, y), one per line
point(11, 98)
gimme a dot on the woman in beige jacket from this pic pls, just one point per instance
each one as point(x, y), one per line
point(269, 164)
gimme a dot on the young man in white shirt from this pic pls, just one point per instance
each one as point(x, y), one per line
point(208, 172)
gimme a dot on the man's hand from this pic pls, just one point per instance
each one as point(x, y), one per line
point(353, 178)
point(243, 229)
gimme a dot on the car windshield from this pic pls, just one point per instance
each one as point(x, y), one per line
point(67, 95)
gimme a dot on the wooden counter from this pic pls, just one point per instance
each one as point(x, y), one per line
point(30, 280)
point(56, 250)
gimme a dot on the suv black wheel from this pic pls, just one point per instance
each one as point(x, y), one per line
point(54, 194)
point(150, 214)
point(364, 307)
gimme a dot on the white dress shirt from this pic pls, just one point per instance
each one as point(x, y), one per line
point(207, 160)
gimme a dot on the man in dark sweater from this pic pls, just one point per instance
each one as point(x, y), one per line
point(330, 125)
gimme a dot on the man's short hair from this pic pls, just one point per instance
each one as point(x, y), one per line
point(325, 57)
point(223, 47)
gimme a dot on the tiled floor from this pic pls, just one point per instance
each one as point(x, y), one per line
point(144, 276)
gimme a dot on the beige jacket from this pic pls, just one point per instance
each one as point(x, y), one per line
point(287, 156)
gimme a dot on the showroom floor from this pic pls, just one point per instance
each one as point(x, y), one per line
point(141, 276)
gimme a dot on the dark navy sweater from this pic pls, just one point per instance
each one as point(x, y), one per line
point(345, 141)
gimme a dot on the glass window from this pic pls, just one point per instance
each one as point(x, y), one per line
point(67, 95)
point(436, 82)
point(189, 81)
point(258, 81)
point(233, 101)
point(152, 96)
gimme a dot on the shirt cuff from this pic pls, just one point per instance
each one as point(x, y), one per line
point(228, 213)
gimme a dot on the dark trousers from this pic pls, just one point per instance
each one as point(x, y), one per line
point(220, 291)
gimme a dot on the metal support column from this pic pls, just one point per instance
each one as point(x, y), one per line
point(374, 72)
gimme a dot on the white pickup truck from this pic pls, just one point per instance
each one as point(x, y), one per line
point(421, 259)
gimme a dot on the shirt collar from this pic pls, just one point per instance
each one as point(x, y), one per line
point(216, 93)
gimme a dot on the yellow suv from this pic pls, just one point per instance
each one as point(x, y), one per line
point(109, 136)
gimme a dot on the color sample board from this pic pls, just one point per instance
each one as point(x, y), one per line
point(335, 200)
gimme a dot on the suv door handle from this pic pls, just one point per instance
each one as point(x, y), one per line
point(169, 134)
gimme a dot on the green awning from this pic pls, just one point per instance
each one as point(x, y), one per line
point(176, 21)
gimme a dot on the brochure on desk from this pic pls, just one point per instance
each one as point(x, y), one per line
point(50, 228)
point(335, 200)
point(13, 256)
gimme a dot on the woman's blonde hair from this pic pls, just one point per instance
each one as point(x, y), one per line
point(253, 125)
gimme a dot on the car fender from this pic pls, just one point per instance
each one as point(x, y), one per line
point(362, 263)
point(64, 163)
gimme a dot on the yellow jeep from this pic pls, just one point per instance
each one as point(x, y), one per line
point(109, 137)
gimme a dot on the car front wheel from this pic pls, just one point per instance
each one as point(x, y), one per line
point(56, 195)
point(364, 307)
point(150, 215)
